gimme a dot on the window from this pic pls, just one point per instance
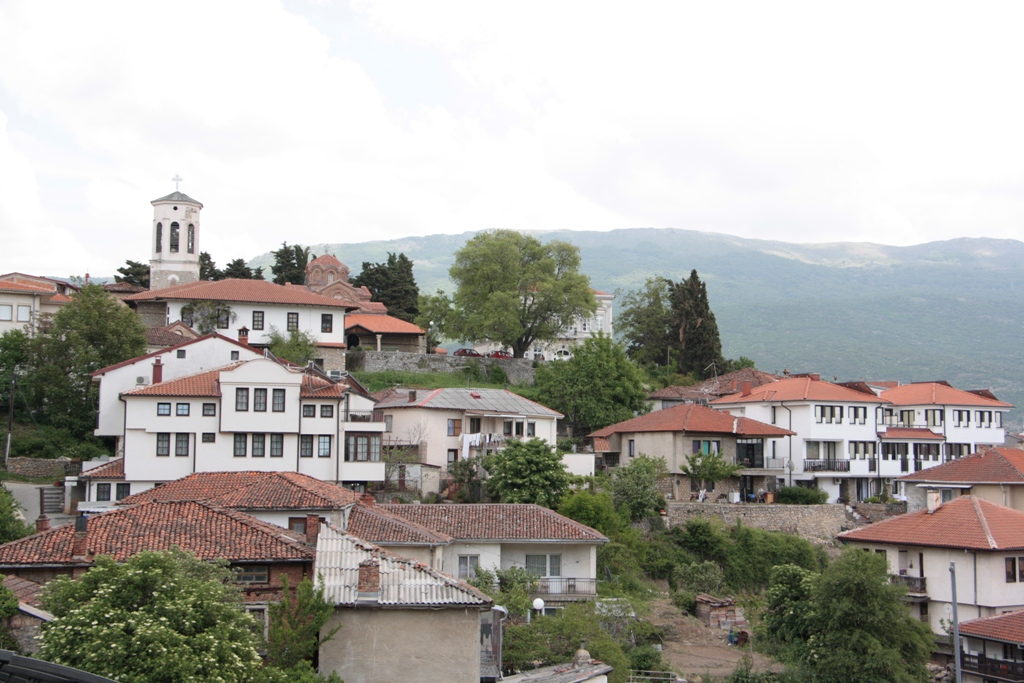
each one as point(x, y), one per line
point(123, 491)
point(326, 411)
point(24, 314)
point(163, 444)
point(326, 322)
point(454, 427)
point(278, 406)
point(531, 429)
point(259, 400)
point(999, 420)
point(933, 417)
point(223, 319)
point(706, 446)
point(453, 455)
point(324, 450)
point(907, 418)
point(191, 243)
point(174, 238)
point(241, 400)
point(926, 451)
point(507, 428)
point(544, 565)
point(163, 409)
point(947, 495)
point(102, 491)
point(297, 524)
point(240, 445)
point(387, 423)
point(181, 353)
point(209, 410)
point(308, 411)
point(181, 409)
point(259, 445)
point(858, 415)
point(750, 452)
point(234, 355)
point(519, 428)
point(6, 312)
point(306, 446)
point(159, 237)
point(983, 418)
point(257, 320)
point(774, 417)
point(957, 450)
point(895, 451)
point(862, 450)
point(961, 418)
point(468, 565)
point(293, 321)
point(255, 573)
point(632, 448)
point(695, 486)
point(209, 437)
point(888, 416)
point(366, 447)
point(474, 425)
point(276, 445)
point(181, 444)
point(828, 414)
point(1011, 570)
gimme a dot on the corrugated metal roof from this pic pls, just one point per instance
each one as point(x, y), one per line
point(403, 583)
point(479, 400)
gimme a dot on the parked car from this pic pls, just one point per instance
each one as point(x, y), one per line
point(563, 354)
point(468, 352)
point(500, 354)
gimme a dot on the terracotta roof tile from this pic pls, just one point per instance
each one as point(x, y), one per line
point(326, 260)
point(8, 286)
point(992, 466)
point(59, 299)
point(251, 491)
point(714, 387)
point(209, 532)
point(910, 433)
point(691, 417)
point(26, 591)
point(938, 393)
point(318, 387)
point(123, 287)
point(112, 470)
point(201, 385)
point(162, 336)
point(601, 445)
point(380, 324)
point(383, 528)
point(496, 521)
point(967, 522)
point(249, 291)
point(801, 389)
point(1008, 627)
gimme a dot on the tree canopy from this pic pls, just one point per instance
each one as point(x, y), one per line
point(708, 468)
point(207, 316)
point(238, 270)
point(597, 387)
point(298, 346)
point(645, 321)
point(635, 487)
point(392, 283)
point(527, 472)
point(290, 264)
point(134, 273)
point(512, 290)
point(207, 268)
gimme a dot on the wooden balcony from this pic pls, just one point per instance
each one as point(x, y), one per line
point(980, 664)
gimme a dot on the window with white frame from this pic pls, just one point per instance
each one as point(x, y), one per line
point(961, 418)
point(858, 415)
point(828, 414)
point(933, 417)
point(544, 566)
point(983, 418)
point(366, 448)
point(6, 312)
point(468, 565)
point(24, 314)
point(531, 429)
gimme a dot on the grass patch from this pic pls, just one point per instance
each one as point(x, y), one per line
point(375, 381)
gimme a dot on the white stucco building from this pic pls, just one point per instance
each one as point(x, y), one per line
point(24, 299)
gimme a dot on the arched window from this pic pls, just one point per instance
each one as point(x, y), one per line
point(330, 277)
point(191, 239)
point(159, 237)
point(174, 238)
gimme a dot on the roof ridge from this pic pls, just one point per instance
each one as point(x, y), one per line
point(984, 522)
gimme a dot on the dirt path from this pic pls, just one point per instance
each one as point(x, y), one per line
point(698, 651)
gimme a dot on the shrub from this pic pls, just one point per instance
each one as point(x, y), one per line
point(645, 658)
point(497, 375)
point(705, 577)
point(686, 601)
point(800, 495)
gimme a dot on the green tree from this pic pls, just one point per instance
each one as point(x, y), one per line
point(511, 588)
point(161, 617)
point(596, 510)
point(299, 346)
point(645, 323)
point(134, 273)
point(635, 487)
point(435, 309)
point(207, 268)
point(15, 352)
point(392, 283)
point(597, 387)
point(8, 608)
point(286, 266)
point(527, 472)
point(694, 329)
point(11, 525)
point(295, 623)
point(238, 270)
point(708, 468)
point(514, 291)
point(207, 316)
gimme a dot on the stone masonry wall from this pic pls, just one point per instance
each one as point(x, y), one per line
point(518, 370)
point(816, 523)
point(38, 467)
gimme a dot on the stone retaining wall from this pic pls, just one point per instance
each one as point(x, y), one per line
point(816, 523)
point(38, 467)
point(518, 370)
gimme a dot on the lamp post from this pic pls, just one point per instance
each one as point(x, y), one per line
point(956, 626)
point(538, 604)
point(10, 415)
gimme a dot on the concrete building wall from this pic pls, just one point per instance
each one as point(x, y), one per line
point(386, 645)
point(276, 315)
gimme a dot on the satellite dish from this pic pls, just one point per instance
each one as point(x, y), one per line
point(948, 608)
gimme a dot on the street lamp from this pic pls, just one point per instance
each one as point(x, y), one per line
point(538, 604)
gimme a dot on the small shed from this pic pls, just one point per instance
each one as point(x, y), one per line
point(721, 613)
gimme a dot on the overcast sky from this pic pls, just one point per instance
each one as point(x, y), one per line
point(349, 121)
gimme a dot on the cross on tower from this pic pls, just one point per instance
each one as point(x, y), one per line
point(177, 179)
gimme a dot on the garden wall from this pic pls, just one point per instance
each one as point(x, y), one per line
point(816, 523)
point(518, 370)
point(39, 468)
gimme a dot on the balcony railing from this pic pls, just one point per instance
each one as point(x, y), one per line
point(361, 416)
point(761, 463)
point(981, 664)
point(917, 585)
point(565, 586)
point(826, 465)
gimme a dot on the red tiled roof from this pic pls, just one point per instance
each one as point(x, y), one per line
point(209, 532)
point(59, 299)
point(690, 417)
point(967, 522)
point(183, 344)
point(380, 324)
point(714, 387)
point(123, 287)
point(112, 470)
point(497, 521)
point(383, 528)
point(201, 385)
point(326, 260)
point(8, 286)
point(318, 387)
point(1008, 627)
point(161, 336)
point(910, 433)
point(801, 389)
point(26, 591)
point(992, 466)
point(389, 394)
point(249, 291)
point(938, 393)
point(601, 445)
point(251, 491)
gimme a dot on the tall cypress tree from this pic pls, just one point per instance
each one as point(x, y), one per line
point(392, 284)
point(694, 329)
point(286, 267)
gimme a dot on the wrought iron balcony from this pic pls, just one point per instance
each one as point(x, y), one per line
point(826, 465)
point(1008, 671)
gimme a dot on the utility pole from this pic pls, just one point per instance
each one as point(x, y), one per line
point(956, 627)
point(10, 416)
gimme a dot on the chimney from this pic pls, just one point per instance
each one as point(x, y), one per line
point(746, 388)
point(412, 396)
point(243, 335)
point(367, 500)
point(934, 498)
point(312, 528)
point(79, 545)
point(368, 587)
point(42, 523)
point(158, 371)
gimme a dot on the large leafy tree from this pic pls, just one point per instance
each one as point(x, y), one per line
point(694, 328)
point(295, 622)
point(527, 472)
point(635, 487)
point(134, 273)
point(847, 624)
point(645, 322)
point(207, 268)
point(392, 283)
point(513, 290)
point(597, 387)
point(238, 270)
point(290, 264)
point(708, 468)
point(298, 346)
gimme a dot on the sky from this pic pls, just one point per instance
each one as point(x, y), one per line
point(318, 121)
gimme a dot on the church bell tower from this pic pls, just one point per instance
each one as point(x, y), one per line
point(175, 258)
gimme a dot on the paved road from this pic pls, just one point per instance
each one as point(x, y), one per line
point(27, 496)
